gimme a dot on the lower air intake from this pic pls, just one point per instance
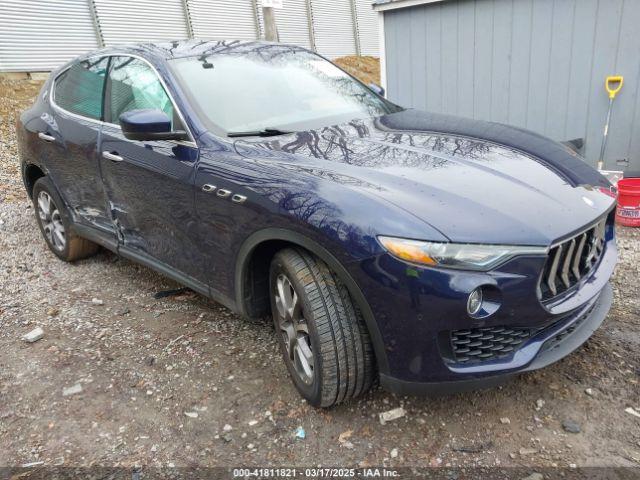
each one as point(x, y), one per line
point(482, 344)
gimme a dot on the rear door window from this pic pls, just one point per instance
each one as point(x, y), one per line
point(134, 85)
point(79, 88)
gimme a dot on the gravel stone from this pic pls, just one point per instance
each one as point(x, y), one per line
point(534, 476)
point(34, 335)
point(570, 426)
point(75, 389)
point(391, 415)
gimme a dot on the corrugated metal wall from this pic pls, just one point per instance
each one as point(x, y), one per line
point(333, 27)
point(367, 23)
point(293, 23)
point(538, 64)
point(125, 21)
point(37, 35)
point(219, 20)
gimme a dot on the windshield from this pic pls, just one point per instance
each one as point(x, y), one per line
point(292, 89)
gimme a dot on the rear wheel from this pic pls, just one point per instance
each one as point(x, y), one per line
point(322, 336)
point(55, 225)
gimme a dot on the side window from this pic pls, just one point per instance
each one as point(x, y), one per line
point(79, 88)
point(134, 85)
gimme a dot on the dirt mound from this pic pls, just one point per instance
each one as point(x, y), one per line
point(366, 69)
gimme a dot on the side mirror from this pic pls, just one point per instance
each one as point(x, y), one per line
point(148, 124)
point(377, 89)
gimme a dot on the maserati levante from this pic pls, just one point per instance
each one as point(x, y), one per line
point(426, 252)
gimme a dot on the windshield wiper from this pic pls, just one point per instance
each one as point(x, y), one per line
point(265, 132)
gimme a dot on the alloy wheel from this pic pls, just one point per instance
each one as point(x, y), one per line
point(51, 222)
point(294, 329)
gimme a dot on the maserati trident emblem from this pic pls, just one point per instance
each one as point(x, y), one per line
point(596, 244)
point(589, 202)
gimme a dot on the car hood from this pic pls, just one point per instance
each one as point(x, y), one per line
point(471, 189)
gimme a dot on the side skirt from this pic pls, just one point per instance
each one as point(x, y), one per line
point(103, 240)
point(97, 236)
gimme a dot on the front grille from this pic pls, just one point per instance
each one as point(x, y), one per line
point(482, 344)
point(572, 260)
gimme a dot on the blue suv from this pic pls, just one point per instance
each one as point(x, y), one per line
point(427, 252)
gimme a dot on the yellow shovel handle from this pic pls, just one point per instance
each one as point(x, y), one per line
point(613, 85)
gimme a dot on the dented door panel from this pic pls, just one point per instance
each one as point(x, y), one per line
point(151, 199)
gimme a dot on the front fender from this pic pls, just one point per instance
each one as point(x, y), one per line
point(342, 270)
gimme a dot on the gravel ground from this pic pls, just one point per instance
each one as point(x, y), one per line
point(181, 381)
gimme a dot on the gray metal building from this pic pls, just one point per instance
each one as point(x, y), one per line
point(538, 64)
point(38, 35)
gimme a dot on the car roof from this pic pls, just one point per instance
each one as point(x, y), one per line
point(192, 48)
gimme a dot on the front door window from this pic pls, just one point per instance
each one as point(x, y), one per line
point(134, 85)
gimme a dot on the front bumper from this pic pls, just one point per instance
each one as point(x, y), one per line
point(550, 345)
point(418, 312)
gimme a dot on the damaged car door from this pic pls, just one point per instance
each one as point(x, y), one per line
point(149, 183)
point(71, 135)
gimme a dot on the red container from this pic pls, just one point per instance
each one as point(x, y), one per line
point(628, 211)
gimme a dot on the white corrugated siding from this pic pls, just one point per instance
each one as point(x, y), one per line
point(130, 21)
point(38, 35)
point(367, 20)
point(223, 19)
point(333, 27)
point(293, 23)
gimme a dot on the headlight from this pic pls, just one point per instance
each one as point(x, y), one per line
point(466, 256)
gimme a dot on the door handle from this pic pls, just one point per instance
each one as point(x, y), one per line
point(46, 137)
point(112, 156)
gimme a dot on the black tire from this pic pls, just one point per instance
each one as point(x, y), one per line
point(74, 247)
point(343, 359)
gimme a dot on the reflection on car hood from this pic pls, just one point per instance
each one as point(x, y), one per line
point(470, 189)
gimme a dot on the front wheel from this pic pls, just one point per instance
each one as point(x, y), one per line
point(55, 224)
point(321, 333)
